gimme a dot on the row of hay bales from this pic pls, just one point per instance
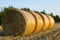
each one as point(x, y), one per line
point(20, 22)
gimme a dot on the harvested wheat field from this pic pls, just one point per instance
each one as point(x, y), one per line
point(53, 34)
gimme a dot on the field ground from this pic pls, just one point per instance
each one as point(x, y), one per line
point(53, 34)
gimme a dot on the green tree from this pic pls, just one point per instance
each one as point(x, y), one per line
point(36, 12)
point(57, 19)
point(51, 14)
point(43, 12)
point(26, 9)
point(1, 14)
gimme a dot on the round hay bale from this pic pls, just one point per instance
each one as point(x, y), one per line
point(30, 22)
point(45, 21)
point(17, 22)
point(39, 21)
point(1, 27)
point(51, 22)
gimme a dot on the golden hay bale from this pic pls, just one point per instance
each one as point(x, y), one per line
point(39, 21)
point(17, 22)
point(51, 22)
point(1, 27)
point(45, 21)
point(30, 22)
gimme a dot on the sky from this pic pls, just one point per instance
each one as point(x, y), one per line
point(36, 5)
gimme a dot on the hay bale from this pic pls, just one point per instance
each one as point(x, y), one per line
point(39, 22)
point(1, 27)
point(45, 21)
point(17, 22)
point(30, 22)
point(51, 22)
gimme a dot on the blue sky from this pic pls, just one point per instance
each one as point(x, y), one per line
point(38, 5)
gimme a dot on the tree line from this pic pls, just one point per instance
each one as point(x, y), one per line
point(56, 17)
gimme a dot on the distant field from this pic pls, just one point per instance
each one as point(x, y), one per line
point(57, 25)
point(53, 34)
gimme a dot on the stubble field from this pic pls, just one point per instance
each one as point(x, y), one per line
point(53, 34)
